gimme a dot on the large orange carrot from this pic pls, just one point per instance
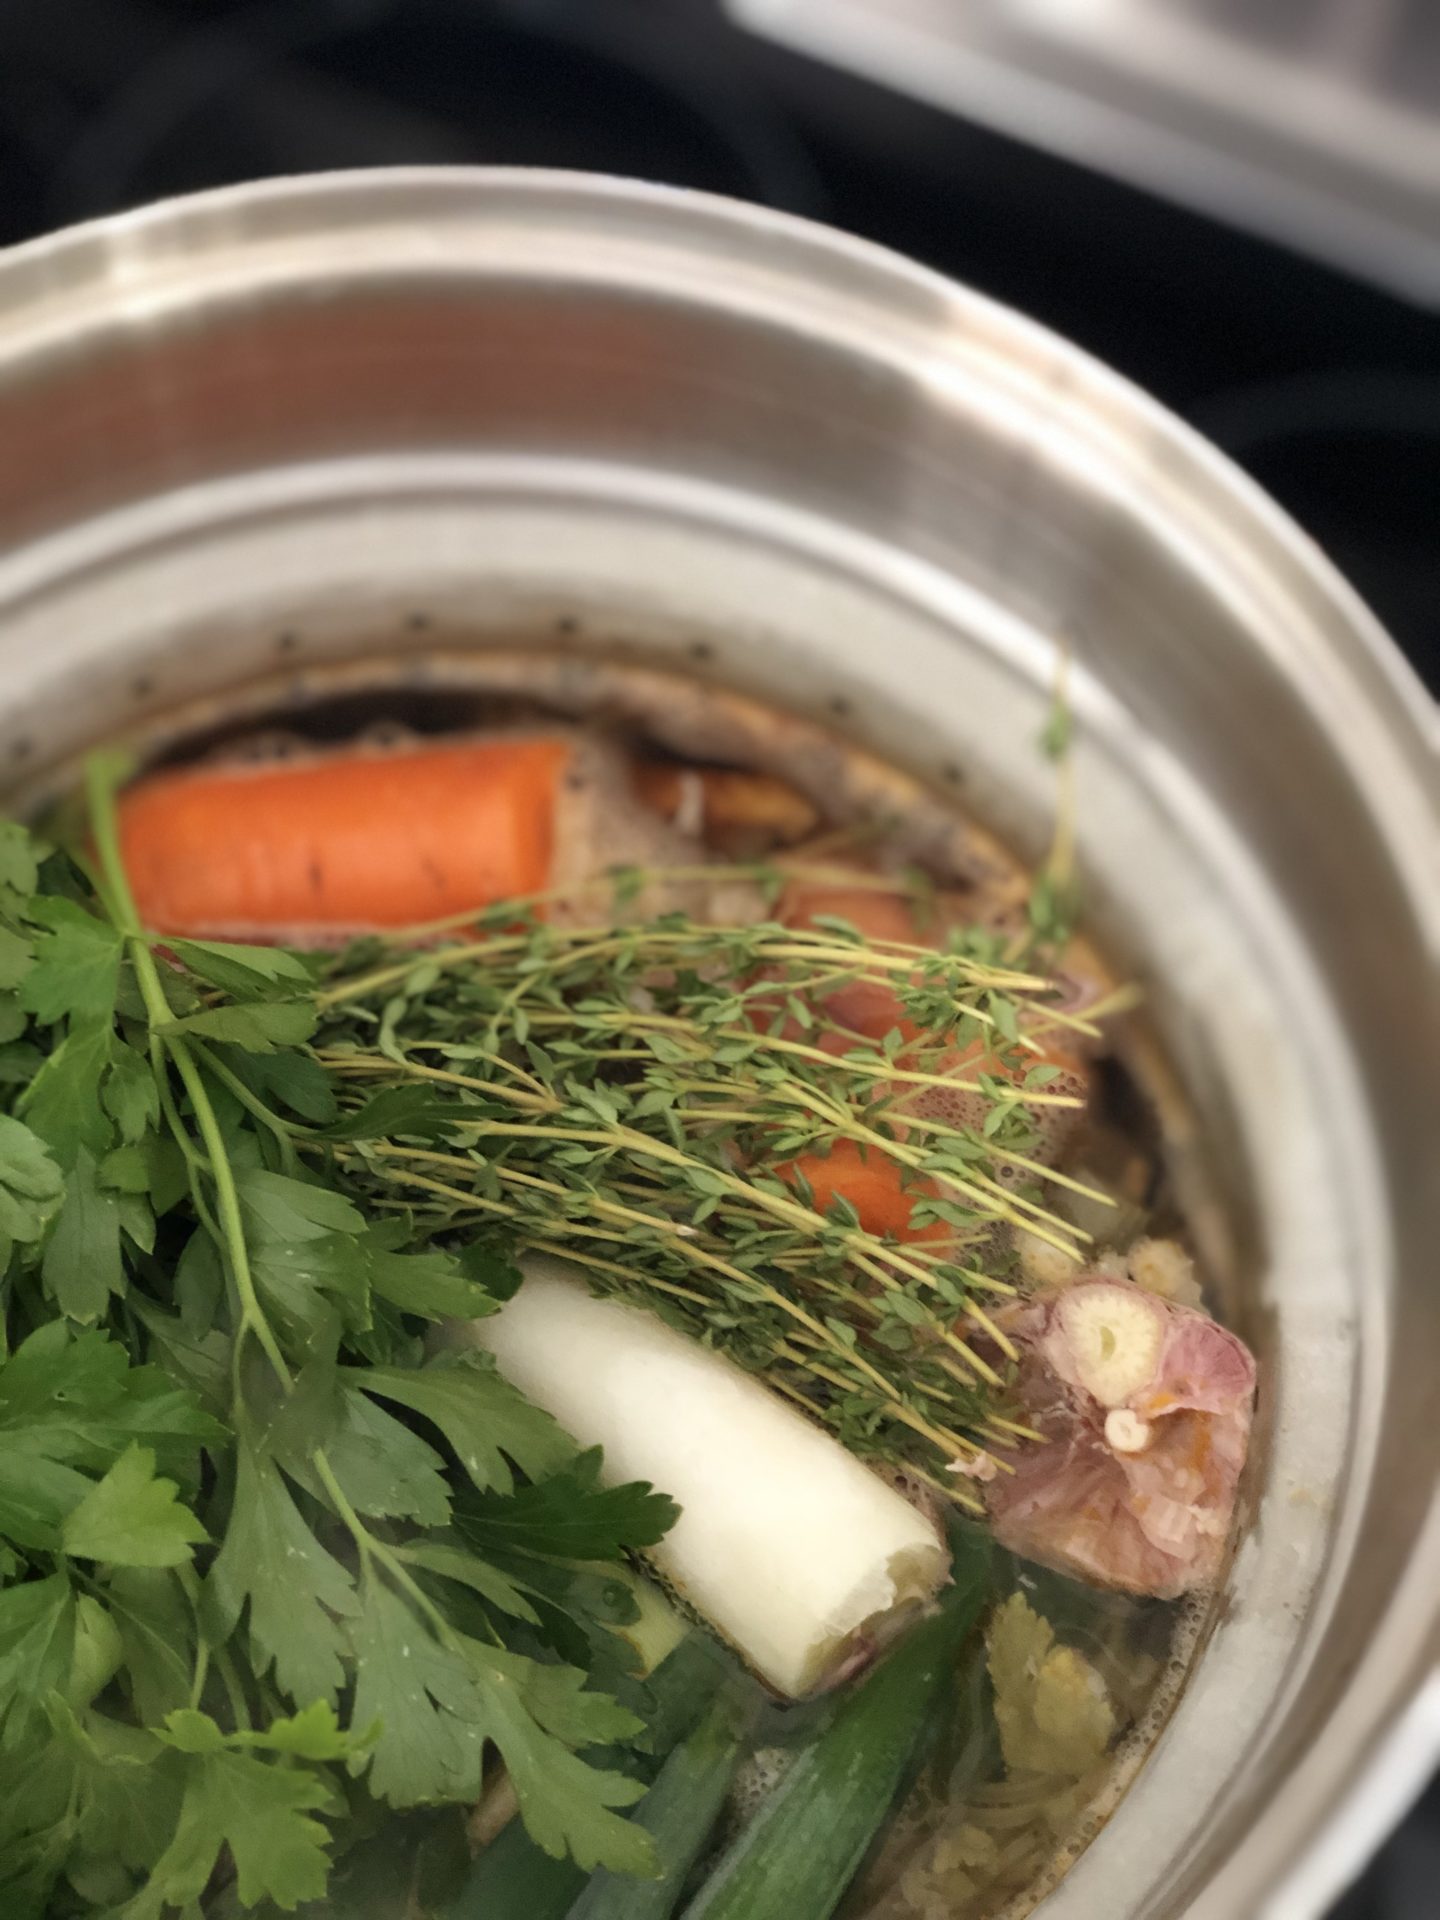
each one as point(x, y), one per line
point(342, 842)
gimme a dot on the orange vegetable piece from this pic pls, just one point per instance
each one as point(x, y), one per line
point(871, 1182)
point(344, 842)
point(739, 810)
point(877, 914)
point(866, 1006)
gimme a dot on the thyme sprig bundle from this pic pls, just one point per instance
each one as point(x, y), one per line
point(637, 1097)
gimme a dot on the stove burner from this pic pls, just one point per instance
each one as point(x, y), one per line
point(1318, 442)
point(287, 87)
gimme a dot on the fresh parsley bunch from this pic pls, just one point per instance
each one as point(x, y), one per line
point(265, 1567)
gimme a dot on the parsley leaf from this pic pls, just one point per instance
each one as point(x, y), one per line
point(486, 1420)
point(257, 1026)
point(31, 1187)
point(66, 1406)
point(132, 1519)
point(312, 1734)
point(76, 974)
point(37, 1641)
point(423, 1696)
point(244, 971)
point(305, 1282)
point(565, 1803)
point(35, 1496)
point(279, 1208)
point(433, 1284)
point(295, 1589)
point(74, 1397)
point(36, 1784)
point(383, 1468)
point(17, 956)
point(438, 1706)
point(18, 869)
point(405, 1110)
point(36, 1835)
point(60, 1103)
point(130, 1095)
point(570, 1515)
point(295, 1079)
point(560, 1701)
point(82, 1265)
point(199, 1282)
point(306, 1252)
point(454, 1563)
point(157, 1637)
point(125, 1804)
point(261, 1811)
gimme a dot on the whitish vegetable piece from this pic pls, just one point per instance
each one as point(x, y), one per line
point(1146, 1405)
point(795, 1552)
point(1056, 1722)
point(1051, 1708)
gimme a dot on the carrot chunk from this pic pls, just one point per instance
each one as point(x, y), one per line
point(342, 843)
point(865, 1006)
point(871, 1182)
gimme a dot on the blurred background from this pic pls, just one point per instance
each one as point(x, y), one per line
point(1236, 203)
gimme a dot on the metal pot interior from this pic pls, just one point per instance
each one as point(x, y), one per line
point(387, 423)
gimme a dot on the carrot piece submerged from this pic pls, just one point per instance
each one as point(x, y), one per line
point(874, 1184)
point(864, 1005)
point(343, 842)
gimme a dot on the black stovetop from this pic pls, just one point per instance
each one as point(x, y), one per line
point(1326, 390)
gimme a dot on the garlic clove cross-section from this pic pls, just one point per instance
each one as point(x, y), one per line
point(1107, 1339)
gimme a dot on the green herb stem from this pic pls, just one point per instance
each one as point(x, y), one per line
point(100, 778)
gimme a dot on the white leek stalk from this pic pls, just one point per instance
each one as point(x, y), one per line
point(795, 1552)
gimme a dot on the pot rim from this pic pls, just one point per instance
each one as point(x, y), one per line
point(35, 262)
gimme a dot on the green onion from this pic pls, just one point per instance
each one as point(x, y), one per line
point(798, 1855)
point(678, 1812)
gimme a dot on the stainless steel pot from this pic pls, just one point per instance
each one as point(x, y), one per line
point(402, 414)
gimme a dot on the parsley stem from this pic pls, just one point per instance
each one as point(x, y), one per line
point(194, 1159)
point(252, 1103)
point(227, 1200)
point(202, 1671)
point(371, 1548)
point(234, 1692)
point(205, 1655)
point(101, 774)
point(190, 1586)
